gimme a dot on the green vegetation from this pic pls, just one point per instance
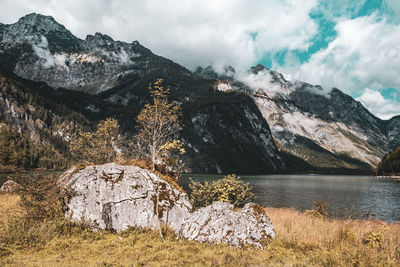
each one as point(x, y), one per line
point(390, 164)
point(19, 151)
point(158, 124)
point(97, 147)
point(228, 189)
point(32, 127)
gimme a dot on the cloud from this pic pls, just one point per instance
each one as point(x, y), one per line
point(190, 32)
point(43, 52)
point(365, 53)
point(378, 105)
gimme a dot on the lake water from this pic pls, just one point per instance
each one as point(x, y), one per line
point(363, 195)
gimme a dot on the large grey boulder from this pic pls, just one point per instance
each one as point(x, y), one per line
point(219, 223)
point(116, 197)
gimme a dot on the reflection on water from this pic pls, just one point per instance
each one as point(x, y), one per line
point(365, 195)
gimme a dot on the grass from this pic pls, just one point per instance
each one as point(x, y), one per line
point(301, 241)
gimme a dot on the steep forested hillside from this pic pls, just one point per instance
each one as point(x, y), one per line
point(390, 164)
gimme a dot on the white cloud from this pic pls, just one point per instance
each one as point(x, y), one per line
point(43, 52)
point(365, 53)
point(378, 105)
point(190, 32)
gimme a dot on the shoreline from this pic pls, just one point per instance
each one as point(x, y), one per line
point(396, 177)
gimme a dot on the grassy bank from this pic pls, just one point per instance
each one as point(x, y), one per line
point(301, 240)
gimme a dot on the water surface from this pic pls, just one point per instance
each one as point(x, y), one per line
point(364, 195)
point(355, 195)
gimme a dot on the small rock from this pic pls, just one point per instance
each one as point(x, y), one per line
point(219, 223)
point(9, 186)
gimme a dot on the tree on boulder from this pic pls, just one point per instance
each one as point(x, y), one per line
point(158, 123)
point(97, 147)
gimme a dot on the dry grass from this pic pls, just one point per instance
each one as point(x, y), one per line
point(301, 241)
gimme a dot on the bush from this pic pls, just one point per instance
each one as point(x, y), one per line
point(41, 196)
point(42, 219)
point(373, 239)
point(320, 210)
point(98, 147)
point(228, 189)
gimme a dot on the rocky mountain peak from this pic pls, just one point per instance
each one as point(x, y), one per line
point(36, 23)
point(258, 68)
point(99, 40)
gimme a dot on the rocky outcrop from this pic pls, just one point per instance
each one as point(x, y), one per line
point(8, 187)
point(116, 197)
point(219, 223)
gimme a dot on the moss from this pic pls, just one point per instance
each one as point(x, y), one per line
point(258, 209)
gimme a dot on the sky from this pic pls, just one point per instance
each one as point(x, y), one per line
point(353, 45)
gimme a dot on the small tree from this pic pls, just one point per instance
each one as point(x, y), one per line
point(228, 189)
point(97, 147)
point(41, 196)
point(157, 125)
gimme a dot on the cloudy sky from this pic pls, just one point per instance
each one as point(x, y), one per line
point(353, 45)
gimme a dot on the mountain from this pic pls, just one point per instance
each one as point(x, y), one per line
point(98, 77)
point(390, 164)
point(327, 129)
point(253, 122)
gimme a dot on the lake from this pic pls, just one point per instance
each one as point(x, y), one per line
point(364, 195)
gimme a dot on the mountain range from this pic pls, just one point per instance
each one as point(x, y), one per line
point(54, 85)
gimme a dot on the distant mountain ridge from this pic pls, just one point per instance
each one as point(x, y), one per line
point(260, 123)
point(327, 129)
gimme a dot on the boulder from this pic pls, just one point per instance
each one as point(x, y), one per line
point(115, 197)
point(9, 186)
point(219, 223)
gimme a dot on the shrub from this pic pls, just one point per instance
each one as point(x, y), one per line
point(373, 239)
point(228, 189)
point(41, 196)
point(320, 209)
point(98, 147)
point(42, 219)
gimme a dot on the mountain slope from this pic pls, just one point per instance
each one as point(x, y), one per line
point(224, 132)
point(327, 129)
point(390, 164)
